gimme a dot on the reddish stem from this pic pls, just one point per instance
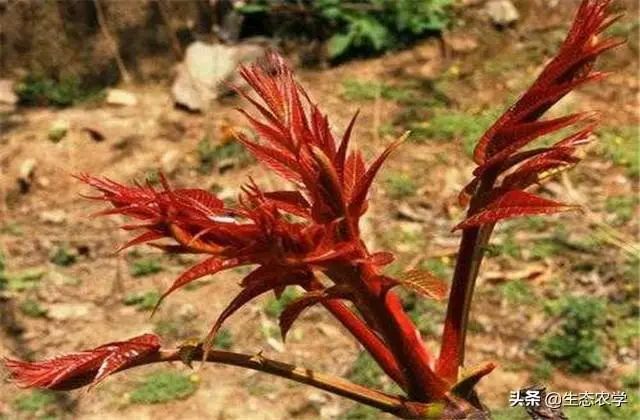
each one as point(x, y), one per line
point(369, 340)
point(383, 310)
point(470, 254)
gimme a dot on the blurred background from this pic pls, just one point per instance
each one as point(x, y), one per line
point(126, 89)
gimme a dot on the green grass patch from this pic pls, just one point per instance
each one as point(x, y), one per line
point(542, 371)
point(36, 90)
point(446, 125)
point(355, 90)
point(365, 371)
point(517, 292)
point(145, 267)
point(577, 343)
point(510, 413)
point(62, 257)
point(426, 314)
point(24, 280)
point(620, 145)
point(626, 331)
point(506, 247)
point(400, 185)
point(622, 206)
point(441, 267)
point(163, 386)
point(34, 401)
point(143, 301)
point(361, 412)
point(223, 340)
point(274, 307)
point(32, 308)
point(211, 154)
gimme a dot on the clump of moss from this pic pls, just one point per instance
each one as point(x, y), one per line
point(163, 386)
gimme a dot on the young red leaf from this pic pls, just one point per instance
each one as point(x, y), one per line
point(510, 204)
point(86, 367)
point(211, 265)
point(424, 283)
point(363, 184)
point(292, 311)
point(253, 289)
point(571, 67)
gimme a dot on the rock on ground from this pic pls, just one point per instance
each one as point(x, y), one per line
point(205, 68)
point(502, 12)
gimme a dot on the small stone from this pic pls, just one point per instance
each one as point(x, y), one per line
point(461, 43)
point(69, 311)
point(120, 97)
point(54, 217)
point(502, 12)
point(275, 344)
point(405, 211)
point(187, 311)
point(58, 130)
point(25, 174)
point(202, 75)
point(7, 93)
point(169, 161)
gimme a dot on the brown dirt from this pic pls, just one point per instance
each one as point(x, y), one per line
point(136, 139)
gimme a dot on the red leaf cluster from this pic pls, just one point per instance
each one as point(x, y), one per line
point(86, 367)
point(499, 152)
point(288, 235)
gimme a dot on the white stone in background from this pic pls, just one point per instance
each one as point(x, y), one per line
point(121, 97)
point(502, 12)
point(58, 130)
point(202, 75)
point(68, 311)
point(169, 161)
point(54, 217)
point(7, 94)
point(27, 168)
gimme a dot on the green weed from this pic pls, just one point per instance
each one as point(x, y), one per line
point(223, 340)
point(144, 301)
point(447, 125)
point(12, 228)
point(36, 90)
point(355, 90)
point(578, 341)
point(626, 331)
point(34, 401)
point(62, 257)
point(365, 371)
point(441, 267)
point(542, 371)
point(210, 154)
point(145, 267)
point(162, 387)
point(517, 292)
point(620, 145)
point(622, 207)
point(400, 185)
point(25, 279)
point(426, 314)
point(506, 247)
point(361, 412)
point(510, 413)
point(273, 307)
point(32, 308)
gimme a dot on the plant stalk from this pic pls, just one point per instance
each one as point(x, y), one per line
point(395, 405)
point(468, 261)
